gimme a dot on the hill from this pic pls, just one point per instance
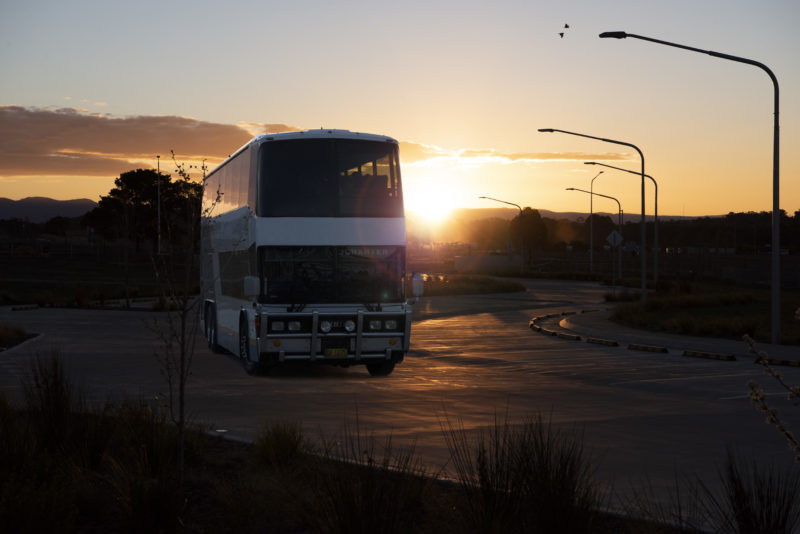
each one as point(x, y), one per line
point(41, 209)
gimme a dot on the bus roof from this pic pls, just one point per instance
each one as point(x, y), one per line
point(322, 133)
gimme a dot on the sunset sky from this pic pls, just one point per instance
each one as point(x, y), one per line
point(90, 89)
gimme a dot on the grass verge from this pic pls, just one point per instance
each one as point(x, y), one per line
point(713, 311)
point(458, 284)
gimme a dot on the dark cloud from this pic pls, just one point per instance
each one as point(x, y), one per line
point(72, 142)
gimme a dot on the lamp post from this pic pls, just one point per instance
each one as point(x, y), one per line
point(655, 211)
point(158, 201)
point(619, 225)
point(643, 251)
point(591, 225)
point(521, 254)
point(776, 213)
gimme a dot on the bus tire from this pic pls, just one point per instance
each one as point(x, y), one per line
point(250, 367)
point(212, 329)
point(381, 368)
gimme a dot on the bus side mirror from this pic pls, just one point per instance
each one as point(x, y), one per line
point(417, 285)
point(251, 286)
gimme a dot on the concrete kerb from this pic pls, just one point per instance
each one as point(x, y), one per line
point(709, 355)
point(789, 363)
point(535, 325)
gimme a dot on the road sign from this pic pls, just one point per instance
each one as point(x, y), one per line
point(614, 239)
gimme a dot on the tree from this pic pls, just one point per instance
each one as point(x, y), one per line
point(176, 270)
point(601, 226)
point(129, 209)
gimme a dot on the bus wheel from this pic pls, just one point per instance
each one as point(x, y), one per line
point(211, 329)
point(382, 368)
point(251, 367)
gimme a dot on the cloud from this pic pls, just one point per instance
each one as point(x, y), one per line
point(257, 128)
point(419, 154)
point(72, 142)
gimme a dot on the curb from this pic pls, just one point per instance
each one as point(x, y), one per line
point(648, 348)
point(710, 355)
point(790, 363)
point(564, 335)
point(599, 341)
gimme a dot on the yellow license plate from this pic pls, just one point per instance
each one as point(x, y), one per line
point(335, 353)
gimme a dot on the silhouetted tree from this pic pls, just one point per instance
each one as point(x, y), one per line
point(534, 232)
point(489, 234)
point(601, 226)
point(130, 210)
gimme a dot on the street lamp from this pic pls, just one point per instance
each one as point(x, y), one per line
point(591, 225)
point(521, 254)
point(776, 213)
point(158, 200)
point(655, 233)
point(619, 225)
point(643, 247)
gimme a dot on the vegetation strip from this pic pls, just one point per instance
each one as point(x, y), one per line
point(709, 355)
point(647, 348)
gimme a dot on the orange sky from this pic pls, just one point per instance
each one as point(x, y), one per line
point(79, 103)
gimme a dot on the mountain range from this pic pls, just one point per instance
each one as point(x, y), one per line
point(42, 209)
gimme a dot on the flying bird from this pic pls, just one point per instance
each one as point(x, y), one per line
point(566, 25)
point(561, 34)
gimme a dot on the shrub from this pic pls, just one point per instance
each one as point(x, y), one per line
point(282, 445)
point(364, 491)
point(524, 478)
point(754, 499)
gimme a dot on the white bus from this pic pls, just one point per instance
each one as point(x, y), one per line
point(303, 252)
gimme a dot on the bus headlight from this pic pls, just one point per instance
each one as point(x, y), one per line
point(374, 324)
point(278, 326)
point(349, 325)
point(391, 324)
point(294, 326)
point(325, 326)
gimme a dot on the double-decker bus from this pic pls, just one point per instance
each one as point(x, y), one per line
point(303, 252)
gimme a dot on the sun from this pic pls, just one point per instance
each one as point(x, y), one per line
point(432, 204)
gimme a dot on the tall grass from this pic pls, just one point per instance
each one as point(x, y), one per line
point(755, 499)
point(282, 445)
point(523, 478)
point(364, 488)
point(677, 512)
point(63, 462)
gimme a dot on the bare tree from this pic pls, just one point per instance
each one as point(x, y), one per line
point(176, 271)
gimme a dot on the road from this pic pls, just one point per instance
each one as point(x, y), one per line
point(473, 359)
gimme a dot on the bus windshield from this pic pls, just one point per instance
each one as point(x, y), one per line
point(329, 178)
point(332, 274)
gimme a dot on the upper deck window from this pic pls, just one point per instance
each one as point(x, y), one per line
point(329, 178)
